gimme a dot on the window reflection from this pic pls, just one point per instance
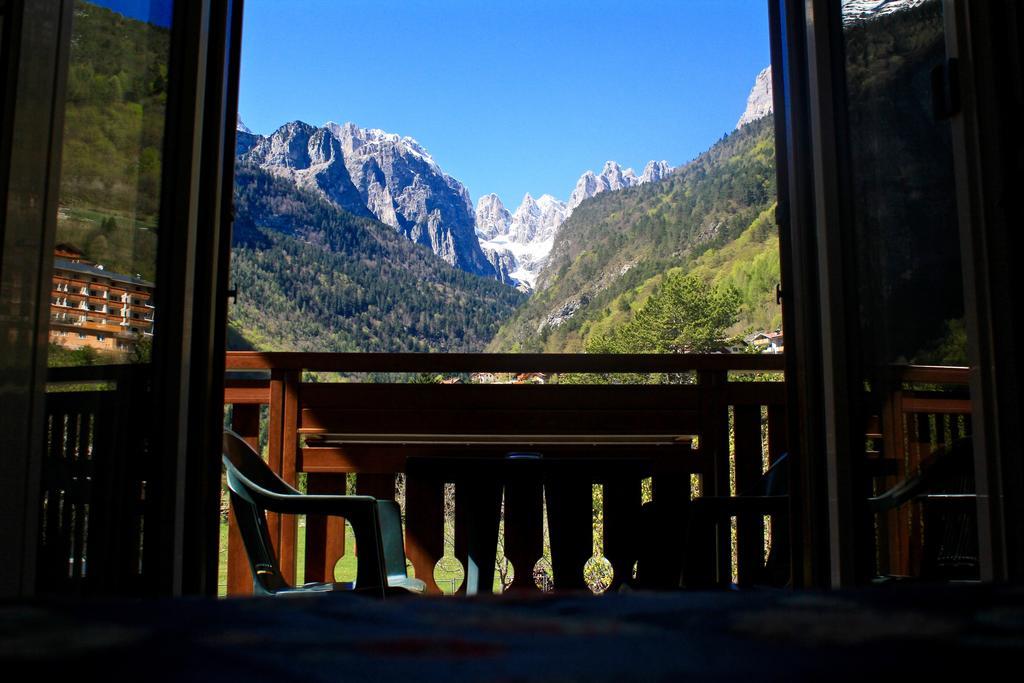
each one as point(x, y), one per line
point(103, 299)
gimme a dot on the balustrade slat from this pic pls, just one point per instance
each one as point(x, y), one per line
point(325, 536)
point(663, 529)
point(424, 525)
point(477, 514)
point(523, 520)
point(621, 521)
point(749, 468)
point(569, 495)
point(778, 439)
point(380, 485)
point(714, 441)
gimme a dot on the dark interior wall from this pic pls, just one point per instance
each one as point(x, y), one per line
point(30, 126)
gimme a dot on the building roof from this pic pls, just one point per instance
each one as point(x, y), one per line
point(98, 271)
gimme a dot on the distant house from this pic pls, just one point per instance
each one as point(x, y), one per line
point(765, 342)
point(483, 378)
point(531, 378)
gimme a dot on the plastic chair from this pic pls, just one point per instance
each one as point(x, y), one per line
point(944, 487)
point(255, 489)
point(770, 496)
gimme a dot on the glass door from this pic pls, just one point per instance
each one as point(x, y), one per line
point(113, 283)
point(917, 467)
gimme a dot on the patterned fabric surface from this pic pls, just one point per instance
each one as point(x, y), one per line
point(883, 632)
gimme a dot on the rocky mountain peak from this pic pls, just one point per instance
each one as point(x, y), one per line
point(370, 172)
point(311, 158)
point(402, 185)
point(655, 171)
point(492, 218)
point(759, 101)
point(613, 177)
point(239, 126)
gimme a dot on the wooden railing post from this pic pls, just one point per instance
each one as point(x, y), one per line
point(714, 446)
point(749, 468)
point(424, 525)
point(245, 421)
point(289, 469)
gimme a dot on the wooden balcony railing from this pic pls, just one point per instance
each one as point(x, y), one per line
point(718, 428)
point(921, 408)
point(612, 434)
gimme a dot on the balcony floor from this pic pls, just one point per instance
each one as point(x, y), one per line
point(912, 631)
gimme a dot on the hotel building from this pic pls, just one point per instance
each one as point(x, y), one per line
point(97, 308)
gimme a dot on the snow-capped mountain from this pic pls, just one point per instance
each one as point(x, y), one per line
point(370, 172)
point(759, 102)
point(519, 243)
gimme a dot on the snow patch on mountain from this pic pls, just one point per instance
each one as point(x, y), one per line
point(519, 243)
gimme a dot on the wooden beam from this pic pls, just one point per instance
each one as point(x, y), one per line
point(501, 362)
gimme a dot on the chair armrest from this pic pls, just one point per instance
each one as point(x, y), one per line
point(361, 511)
point(334, 506)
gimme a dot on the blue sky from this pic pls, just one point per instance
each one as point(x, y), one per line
point(510, 97)
point(154, 11)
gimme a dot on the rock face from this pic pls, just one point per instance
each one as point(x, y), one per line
point(369, 172)
point(862, 10)
point(611, 177)
point(654, 171)
point(506, 265)
point(492, 218)
point(312, 159)
point(402, 185)
point(759, 102)
point(519, 243)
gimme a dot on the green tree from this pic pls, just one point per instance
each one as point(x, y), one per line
point(685, 315)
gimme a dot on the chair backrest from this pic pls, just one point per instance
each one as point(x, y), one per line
point(248, 473)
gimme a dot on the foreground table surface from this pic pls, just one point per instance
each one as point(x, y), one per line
point(888, 632)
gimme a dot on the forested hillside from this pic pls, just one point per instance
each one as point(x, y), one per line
point(312, 277)
point(714, 217)
point(113, 136)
